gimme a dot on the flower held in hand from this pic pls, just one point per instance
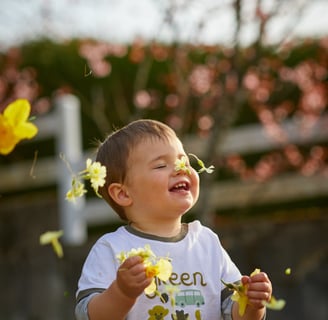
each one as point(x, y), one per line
point(155, 266)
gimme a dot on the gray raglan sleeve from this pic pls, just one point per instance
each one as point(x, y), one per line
point(81, 309)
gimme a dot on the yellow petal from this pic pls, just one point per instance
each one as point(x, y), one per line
point(164, 269)
point(242, 301)
point(57, 248)
point(48, 236)
point(17, 111)
point(7, 148)
point(151, 271)
point(256, 271)
point(275, 304)
point(88, 163)
point(25, 130)
point(52, 237)
point(151, 288)
point(8, 140)
point(121, 256)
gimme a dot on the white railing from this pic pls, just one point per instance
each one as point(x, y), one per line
point(65, 126)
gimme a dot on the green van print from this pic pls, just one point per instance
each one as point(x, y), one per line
point(189, 297)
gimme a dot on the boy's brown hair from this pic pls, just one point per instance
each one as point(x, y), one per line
point(114, 152)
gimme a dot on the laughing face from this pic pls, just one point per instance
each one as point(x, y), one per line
point(158, 191)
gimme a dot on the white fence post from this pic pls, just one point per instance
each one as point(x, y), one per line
point(69, 144)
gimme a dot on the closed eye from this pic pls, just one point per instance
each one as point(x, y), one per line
point(160, 166)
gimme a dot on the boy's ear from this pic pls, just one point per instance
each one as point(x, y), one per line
point(119, 194)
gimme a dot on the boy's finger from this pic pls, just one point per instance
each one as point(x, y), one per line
point(260, 277)
point(130, 262)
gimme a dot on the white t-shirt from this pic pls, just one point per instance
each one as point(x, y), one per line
point(199, 263)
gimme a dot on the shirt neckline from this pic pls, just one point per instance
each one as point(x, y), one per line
point(181, 235)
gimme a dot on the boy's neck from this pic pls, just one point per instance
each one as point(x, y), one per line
point(159, 229)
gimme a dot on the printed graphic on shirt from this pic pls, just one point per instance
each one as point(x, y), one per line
point(158, 313)
point(189, 297)
point(184, 303)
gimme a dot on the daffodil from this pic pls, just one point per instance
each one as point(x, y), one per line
point(76, 191)
point(14, 125)
point(145, 253)
point(155, 266)
point(203, 168)
point(51, 237)
point(94, 172)
point(162, 269)
point(181, 165)
point(240, 296)
point(240, 293)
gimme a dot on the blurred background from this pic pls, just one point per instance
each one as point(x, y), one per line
point(243, 83)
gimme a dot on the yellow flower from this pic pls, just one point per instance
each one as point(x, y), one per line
point(209, 169)
point(155, 266)
point(76, 191)
point(164, 269)
point(145, 253)
point(52, 237)
point(240, 293)
point(121, 257)
point(151, 288)
point(14, 126)
point(96, 173)
point(181, 165)
point(240, 296)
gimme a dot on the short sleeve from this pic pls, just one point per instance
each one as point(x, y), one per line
point(99, 270)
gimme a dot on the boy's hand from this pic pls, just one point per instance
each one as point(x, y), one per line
point(131, 277)
point(259, 289)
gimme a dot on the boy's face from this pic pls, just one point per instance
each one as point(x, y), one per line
point(157, 190)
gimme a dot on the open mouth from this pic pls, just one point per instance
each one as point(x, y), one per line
point(181, 186)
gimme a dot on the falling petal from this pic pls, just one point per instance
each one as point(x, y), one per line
point(57, 248)
point(288, 271)
point(51, 237)
point(275, 304)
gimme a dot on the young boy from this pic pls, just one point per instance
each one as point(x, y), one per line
point(146, 189)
